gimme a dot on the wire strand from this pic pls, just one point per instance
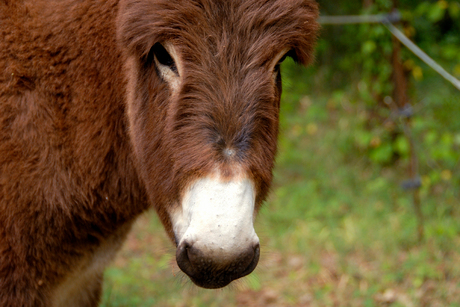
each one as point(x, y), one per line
point(421, 54)
point(387, 20)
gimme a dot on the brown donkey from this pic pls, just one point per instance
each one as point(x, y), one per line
point(108, 108)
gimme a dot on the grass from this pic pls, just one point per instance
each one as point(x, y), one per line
point(337, 229)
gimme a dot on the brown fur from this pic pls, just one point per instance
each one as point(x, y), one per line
point(76, 168)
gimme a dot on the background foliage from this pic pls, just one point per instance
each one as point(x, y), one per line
point(338, 229)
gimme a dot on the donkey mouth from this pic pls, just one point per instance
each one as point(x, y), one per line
point(211, 273)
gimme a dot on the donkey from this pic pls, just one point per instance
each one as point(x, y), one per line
point(111, 107)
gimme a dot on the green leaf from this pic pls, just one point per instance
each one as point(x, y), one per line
point(437, 12)
point(382, 154)
point(454, 9)
point(363, 138)
point(401, 146)
point(368, 47)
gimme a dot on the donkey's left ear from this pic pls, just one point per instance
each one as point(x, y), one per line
point(307, 29)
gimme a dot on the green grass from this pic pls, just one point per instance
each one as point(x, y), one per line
point(337, 229)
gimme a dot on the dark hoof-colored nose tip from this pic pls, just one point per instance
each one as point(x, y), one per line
point(215, 272)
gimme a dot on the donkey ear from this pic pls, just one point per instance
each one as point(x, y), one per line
point(133, 33)
point(139, 26)
point(306, 32)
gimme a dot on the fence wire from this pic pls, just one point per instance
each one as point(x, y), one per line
point(387, 20)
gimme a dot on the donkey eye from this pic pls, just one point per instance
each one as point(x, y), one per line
point(163, 57)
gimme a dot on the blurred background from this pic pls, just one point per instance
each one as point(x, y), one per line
point(365, 207)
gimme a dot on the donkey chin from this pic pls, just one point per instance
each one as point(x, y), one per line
point(216, 241)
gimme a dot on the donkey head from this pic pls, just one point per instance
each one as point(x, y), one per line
point(203, 95)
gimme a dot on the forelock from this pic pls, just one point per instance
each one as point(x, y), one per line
point(266, 25)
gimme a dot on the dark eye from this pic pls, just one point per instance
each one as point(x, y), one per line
point(163, 57)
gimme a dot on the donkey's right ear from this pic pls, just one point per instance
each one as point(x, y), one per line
point(135, 26)
point(306, 32)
